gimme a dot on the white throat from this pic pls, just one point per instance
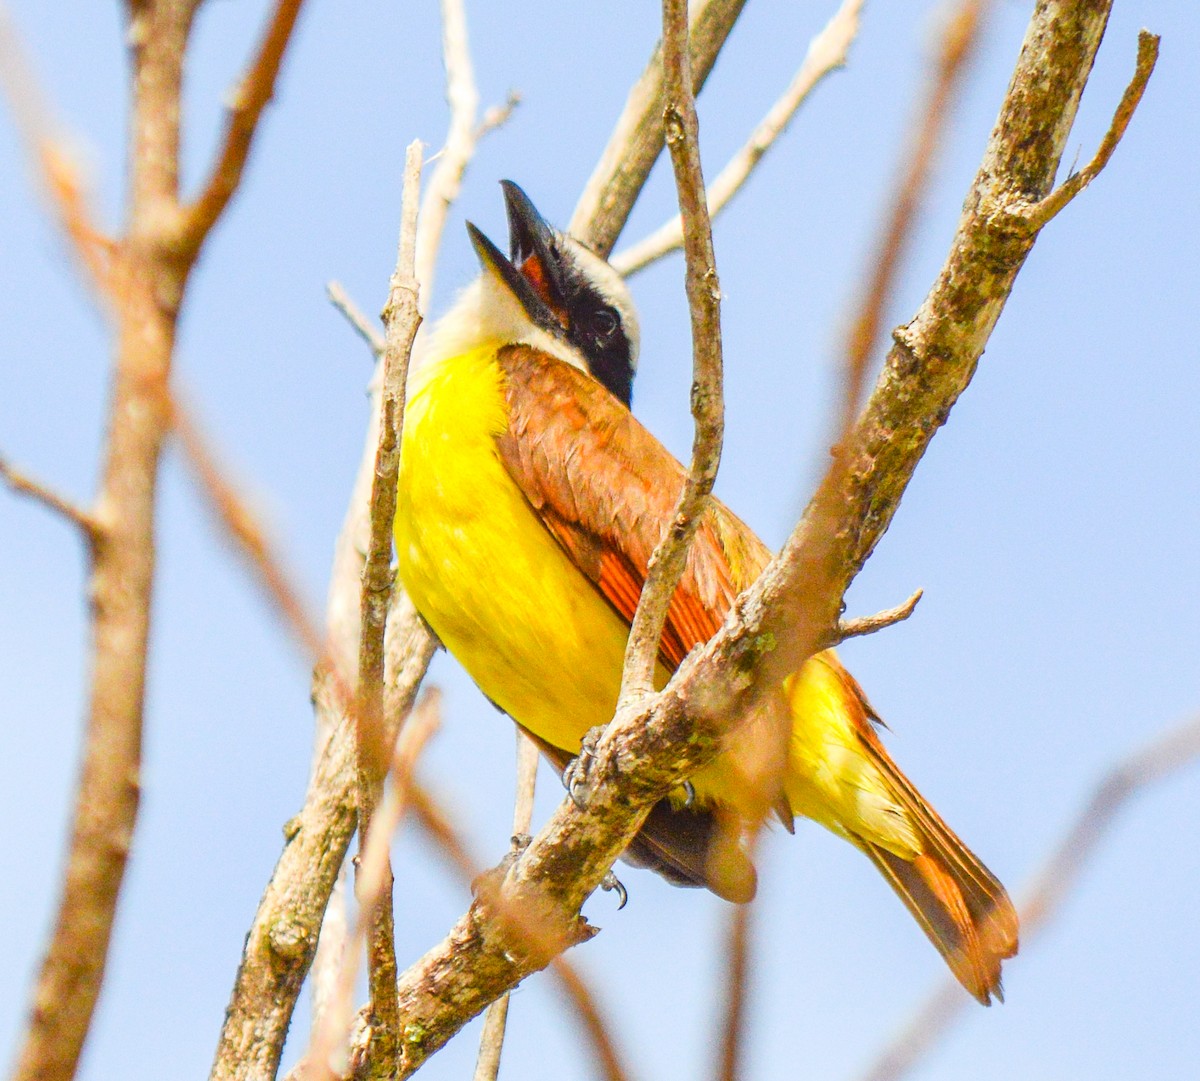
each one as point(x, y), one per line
point(486, 311)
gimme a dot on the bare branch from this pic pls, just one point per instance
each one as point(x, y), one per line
point(826, 53)
point(446, 181)
point(956, 46)
point(1045, 209)
point(638, 138)
point(49, 150)
point(373, 740)
point(354, 315)
point(792, 608)
point(25, 485)
point(608, 1058)
point(496, 116)
point(374, 886)
point(1161, 758)
point(491, 1041)
point(860, 625)
point(246, 106)
point(243, 528)
point(737, 978)
point(666, 564)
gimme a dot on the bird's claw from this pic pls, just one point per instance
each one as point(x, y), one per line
point(576, 777)
point(609, 883)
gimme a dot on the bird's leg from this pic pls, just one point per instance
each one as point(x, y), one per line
point(576, 777)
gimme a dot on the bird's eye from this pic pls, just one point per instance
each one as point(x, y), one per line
point(604, 323)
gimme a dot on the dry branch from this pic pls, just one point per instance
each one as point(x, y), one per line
point(637, 139)
point(244, 529)
point(956, 45)
point(375, 737)
point(25, 485)
point(355, 316)
point(49, 151)
point(374, 888)
point(826, 53)
point(248, 101)
point(491, 1041)
point(794, 606)
point(1158, 760)
point(666, 564)
point(145, 279)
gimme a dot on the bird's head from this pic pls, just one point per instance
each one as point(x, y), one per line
point(552, 293)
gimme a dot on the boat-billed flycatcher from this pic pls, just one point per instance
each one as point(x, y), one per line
point(530, 500)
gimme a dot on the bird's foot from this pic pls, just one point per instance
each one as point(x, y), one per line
point(610, 882)
point(576, 777)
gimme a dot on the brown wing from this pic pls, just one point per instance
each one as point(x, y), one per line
point(606, 489)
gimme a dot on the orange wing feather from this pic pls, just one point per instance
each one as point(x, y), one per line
point(606, 489)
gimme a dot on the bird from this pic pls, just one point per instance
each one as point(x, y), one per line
point(529, 502)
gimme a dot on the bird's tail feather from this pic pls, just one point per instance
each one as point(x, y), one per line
point(958, 902)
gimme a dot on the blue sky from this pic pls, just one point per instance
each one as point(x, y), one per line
point(1052, 525)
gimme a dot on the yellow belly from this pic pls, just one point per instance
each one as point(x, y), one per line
point(495, 586)
point(539, 639)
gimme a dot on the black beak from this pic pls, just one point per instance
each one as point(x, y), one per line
point(533, 271)
point(493, 261)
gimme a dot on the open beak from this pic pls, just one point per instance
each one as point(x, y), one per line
point(532, 273)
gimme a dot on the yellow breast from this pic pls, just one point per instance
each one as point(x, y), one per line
point(492, 582)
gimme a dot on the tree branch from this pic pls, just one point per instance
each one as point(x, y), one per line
point(248, 535)
point(374, 737)
point(667, 562)
point(638, 138)
point(25, 485)
point(248, 101)
point(374, 888)
point(792, 608)
point(50, 152)
point(1161, 758)
point(957, 43)
point(1045, 209)
point(826, 53)
point(461, 138)
point(889, 617)
point(495, 1020)
point(354, 315)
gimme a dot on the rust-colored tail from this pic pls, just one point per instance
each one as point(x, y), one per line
point(958, 902)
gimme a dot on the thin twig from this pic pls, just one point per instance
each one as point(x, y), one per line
point(247, 102)
point(401, 319)
point(355, 316)
point(496, 116)
point(25, 485)
point(491, 1041)
point(1164, 756)
point(666, 564)
point(607, 1057)
point(955, 48)
point(1147, 56)
point(446, 180)
point(373, 887)
point(49, 149)
point(243, 528)
point(860, 625)
point(736, 981)
point(638, 138)
point(826, 53)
